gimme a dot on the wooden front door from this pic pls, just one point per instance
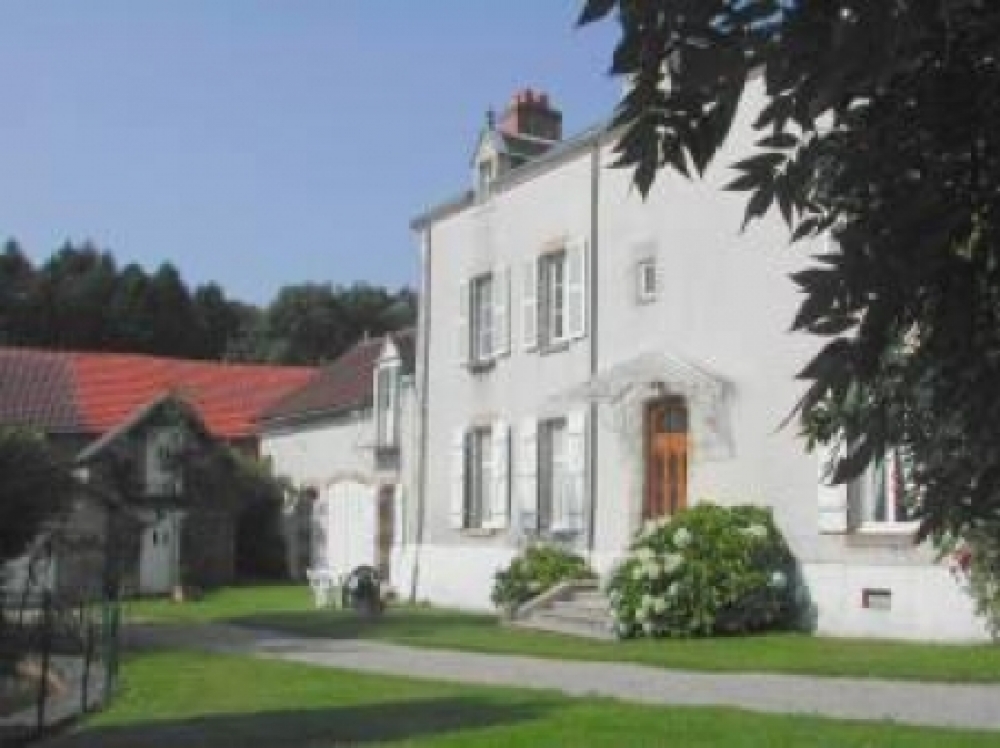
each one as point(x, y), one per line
point(666, 451)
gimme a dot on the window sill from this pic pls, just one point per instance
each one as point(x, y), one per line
point(557, 346)
point(479, 532)
point(481, 367)
point(888, 529)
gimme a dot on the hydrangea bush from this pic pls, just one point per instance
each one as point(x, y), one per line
point(539, 568)
point(707, 570)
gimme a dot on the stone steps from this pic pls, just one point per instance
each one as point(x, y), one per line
point(574, 610)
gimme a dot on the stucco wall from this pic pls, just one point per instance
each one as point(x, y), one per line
point(726, 303)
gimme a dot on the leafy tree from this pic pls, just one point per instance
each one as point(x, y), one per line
point(35, 486)
point(16, 273)
point(879, 127)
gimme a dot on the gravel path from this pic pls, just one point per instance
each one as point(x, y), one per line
point(927, 704)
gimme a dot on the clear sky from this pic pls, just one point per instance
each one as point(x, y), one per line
point(265, 142)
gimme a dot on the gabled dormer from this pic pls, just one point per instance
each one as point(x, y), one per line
point(528, 128)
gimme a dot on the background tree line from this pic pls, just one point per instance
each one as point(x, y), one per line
point(80, 299)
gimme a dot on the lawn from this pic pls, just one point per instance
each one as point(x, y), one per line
point(290, 609)
point(201, 701)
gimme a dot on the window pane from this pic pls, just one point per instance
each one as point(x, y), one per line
point(482, 318)
point(479, 477)
point(551, 474)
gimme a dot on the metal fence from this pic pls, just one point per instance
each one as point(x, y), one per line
point(59, 653)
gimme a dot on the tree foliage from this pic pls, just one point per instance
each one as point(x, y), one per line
point(879, 128)
point(35, 487)
point(79, 299)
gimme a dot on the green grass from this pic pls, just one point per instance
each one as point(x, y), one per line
point(290, 609)
point(213, 701)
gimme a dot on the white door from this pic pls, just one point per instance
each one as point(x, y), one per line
point(350, 532)
point(157, 556)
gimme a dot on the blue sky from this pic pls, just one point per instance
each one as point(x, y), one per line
point(260, 143)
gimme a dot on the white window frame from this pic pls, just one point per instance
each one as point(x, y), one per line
point(485, 174)
point(862, 494)
point(647, 282)
point(387, 404)
point(482, 323)
point(478, 477)
point(553, 309)
point(553, 475)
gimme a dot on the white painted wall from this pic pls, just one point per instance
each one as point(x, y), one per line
point(339, 449)
point(726, 303)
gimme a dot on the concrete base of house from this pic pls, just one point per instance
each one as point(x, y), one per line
point(924, 603)
point(920, 603)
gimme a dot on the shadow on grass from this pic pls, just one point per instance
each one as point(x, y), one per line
point(354, 725)
point(413, 624)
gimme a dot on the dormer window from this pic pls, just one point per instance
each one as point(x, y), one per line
point(163, 470)
point(484, 177)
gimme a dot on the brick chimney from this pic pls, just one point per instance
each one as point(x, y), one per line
point(529, 113)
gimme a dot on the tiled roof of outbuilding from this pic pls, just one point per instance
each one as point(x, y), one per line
point(92, 393)
point(344, 384)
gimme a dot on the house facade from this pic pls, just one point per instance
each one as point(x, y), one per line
point(134, 414)
point(588, 360)
point(345, 441)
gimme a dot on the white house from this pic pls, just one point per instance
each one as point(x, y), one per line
point(345, 440)
point(587, 359)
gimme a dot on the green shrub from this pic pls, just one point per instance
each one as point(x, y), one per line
point(708, 570)
point(976, 560)
point(538, 569)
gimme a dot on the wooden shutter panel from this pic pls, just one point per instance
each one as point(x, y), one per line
point(529, 306)
point(527, 475)
point(499, 498)
point(576, 470)
point(576, 289)
point(463, 324)
point(458, 447)
point(832, 500)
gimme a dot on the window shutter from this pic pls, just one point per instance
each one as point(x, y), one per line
point(499, 498)
point(833, 504)
point(574, 491)
point(576, 289)
point(529, 306)
point(458, 446)
point(463, 323)
point(501, 312)
point(527, 475)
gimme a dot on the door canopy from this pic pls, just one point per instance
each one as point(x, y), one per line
point(622, 390)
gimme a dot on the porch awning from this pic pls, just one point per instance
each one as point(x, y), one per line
point(625, 387)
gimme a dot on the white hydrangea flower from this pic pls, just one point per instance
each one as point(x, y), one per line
point(645, 554)
point(682, 537)
point(648, 628)
point(659, 605)
point(534, 585)
point(673, 589)
point(778, 580)
point(672, 562)
point(755, 531)
point(641, 615)
point(638, 572)
point(647, 602)
point(653, 570)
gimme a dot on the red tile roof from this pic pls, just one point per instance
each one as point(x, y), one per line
point(91, 393)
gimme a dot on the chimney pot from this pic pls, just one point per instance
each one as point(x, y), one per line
point(531, 114)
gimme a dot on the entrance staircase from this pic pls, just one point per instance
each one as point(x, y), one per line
point(573, 608)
